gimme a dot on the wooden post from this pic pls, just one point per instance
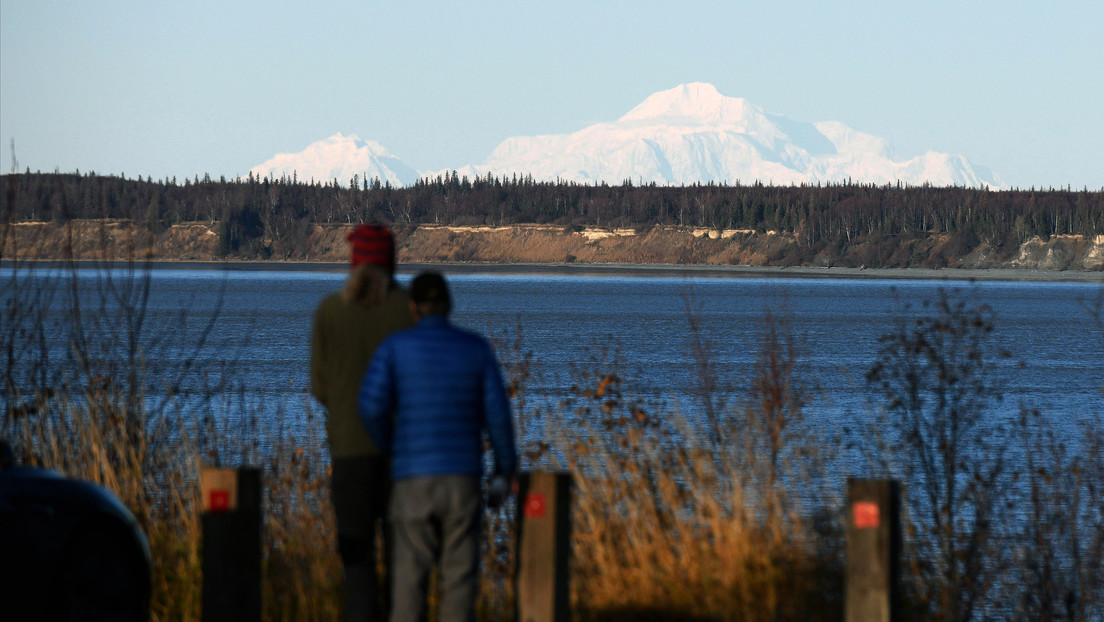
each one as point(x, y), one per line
point(231, 523)
point(544, 546)
point(873, 548)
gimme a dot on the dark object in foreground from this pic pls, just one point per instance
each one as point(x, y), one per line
point(69, 549)
point(231, 523)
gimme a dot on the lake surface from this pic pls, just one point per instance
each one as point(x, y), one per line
point(259, 340)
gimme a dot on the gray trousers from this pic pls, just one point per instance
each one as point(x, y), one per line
point(435, 521)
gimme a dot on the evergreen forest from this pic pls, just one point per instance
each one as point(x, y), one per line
point(251, 209)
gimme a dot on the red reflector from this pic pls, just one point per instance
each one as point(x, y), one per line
point(534, 505)
point(220, 501)
point(864, 515)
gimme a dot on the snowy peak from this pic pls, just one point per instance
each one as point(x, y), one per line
point(694, 102)
point(694, 134)
point(339, 157)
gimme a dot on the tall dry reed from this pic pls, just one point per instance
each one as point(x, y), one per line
point(678, 520)
point(1003, 507)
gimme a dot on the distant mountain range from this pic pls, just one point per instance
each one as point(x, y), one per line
point(686, 135)
point(339, 157)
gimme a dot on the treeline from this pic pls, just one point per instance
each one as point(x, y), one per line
point(251, 210)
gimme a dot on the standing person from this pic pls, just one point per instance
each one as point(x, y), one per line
point(348, 327)
point(445, 389)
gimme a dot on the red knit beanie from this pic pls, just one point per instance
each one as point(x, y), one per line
point(372, 243)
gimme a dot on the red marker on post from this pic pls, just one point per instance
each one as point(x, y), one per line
point(865, 515)
point(535, 505)
point(219, 501)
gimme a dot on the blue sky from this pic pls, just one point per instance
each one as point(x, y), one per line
point(186, 88)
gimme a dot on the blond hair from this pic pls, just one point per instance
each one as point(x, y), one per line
point(367, 285)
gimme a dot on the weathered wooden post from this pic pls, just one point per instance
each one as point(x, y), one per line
point(544, 546)
point(231, 523)
point(873, 548)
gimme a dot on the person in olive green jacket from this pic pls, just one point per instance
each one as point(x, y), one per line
point(348, 326)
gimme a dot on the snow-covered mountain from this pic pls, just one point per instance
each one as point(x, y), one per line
point(685, 135)
point(692, 133)
point(339, 157)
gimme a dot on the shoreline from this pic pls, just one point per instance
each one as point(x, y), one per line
point(802, 272)
point(629, 269)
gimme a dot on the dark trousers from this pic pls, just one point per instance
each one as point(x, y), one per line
point(360, 487)
point(435, 521)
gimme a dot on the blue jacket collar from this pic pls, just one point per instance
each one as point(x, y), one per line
point(433, 321)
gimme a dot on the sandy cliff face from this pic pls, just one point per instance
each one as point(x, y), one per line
point(1061, 252)
point(108, 240)
point(123, 239)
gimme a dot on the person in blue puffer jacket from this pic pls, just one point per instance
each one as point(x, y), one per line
point(429, 395)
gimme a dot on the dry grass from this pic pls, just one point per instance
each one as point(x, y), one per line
point(671, 524)
point(301, 568)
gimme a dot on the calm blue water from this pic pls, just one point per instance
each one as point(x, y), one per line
point(259, 340)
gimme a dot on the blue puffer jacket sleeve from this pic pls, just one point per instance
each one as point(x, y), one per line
point(496, 406)
point(445, 389)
